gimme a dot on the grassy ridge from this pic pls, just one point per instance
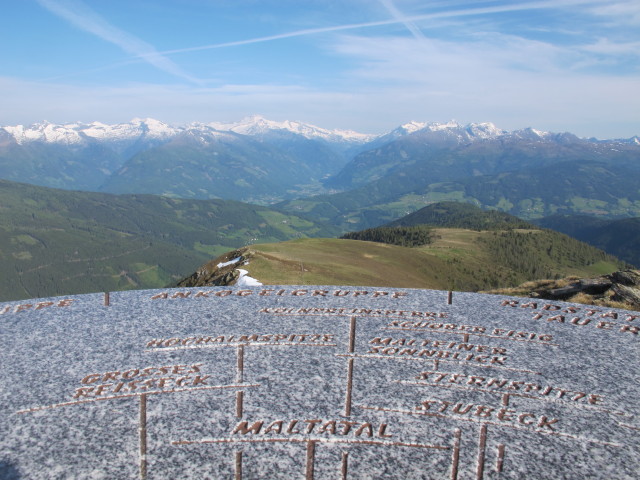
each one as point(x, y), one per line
point(55, 242)
point(457, 258)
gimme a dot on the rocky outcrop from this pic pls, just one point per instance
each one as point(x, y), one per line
point(221, 271)
point(589, 286)
point(619, 289)
point(626, 287)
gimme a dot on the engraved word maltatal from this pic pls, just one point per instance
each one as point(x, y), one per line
point(317, 426)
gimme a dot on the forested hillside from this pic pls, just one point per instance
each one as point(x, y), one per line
point(619, 237)
point(461, 215)
point(55, 242)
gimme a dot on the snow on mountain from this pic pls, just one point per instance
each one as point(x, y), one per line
point(78, 133)
point(635, 140)
point(472, 131)
point(207, 135)
point(405, 129)
point(451, 130)
point(441, 127)
point(125, 131)
point(45, 132)
point(484, 130)
point(257, 125)
point(153, 129)
point(530, 134)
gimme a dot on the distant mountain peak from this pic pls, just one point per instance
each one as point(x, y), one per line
point(412, 126)
point(485, 130)
point(472, 131)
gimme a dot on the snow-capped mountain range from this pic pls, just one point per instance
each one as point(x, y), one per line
point(151, 129)
point(263, 161)
point(77, 133)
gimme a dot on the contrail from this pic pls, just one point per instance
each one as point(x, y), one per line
point(86, 19)
point(412, 27)
point(404, 20)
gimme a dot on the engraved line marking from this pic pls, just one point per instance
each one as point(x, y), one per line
point(106, 299)
point(505, 399)
point(305, 440)
point(628, 426)
point(482, 443)
point(327, 314)
point(500, 458)
point(311, 453)
point(423, 330)
point(523, 395)
point(324, 314)
point(201, 347)
point(558, 434)
point(352, 335)
point(465, 338)
point(347, 405)
point(436, 364)
point(240, 364)
point(391, 357)
point(455, 457)
point(130, 395)
point(239, 403)
point(345, 464)
point(143, 436)
point(238, 472)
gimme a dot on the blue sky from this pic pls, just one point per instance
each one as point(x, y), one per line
point(366, 65)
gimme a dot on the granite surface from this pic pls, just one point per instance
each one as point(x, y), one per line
point(317, 383)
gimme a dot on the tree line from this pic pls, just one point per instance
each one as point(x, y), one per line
point(402, 236)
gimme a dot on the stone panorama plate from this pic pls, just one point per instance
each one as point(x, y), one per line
point(317, 383)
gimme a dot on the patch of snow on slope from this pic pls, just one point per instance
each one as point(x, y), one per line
point(230, 262)
point(245, 280)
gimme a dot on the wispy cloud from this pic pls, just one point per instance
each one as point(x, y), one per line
point(608, 47)
point(82, 17)
point(552, 64)
point(625, 11)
